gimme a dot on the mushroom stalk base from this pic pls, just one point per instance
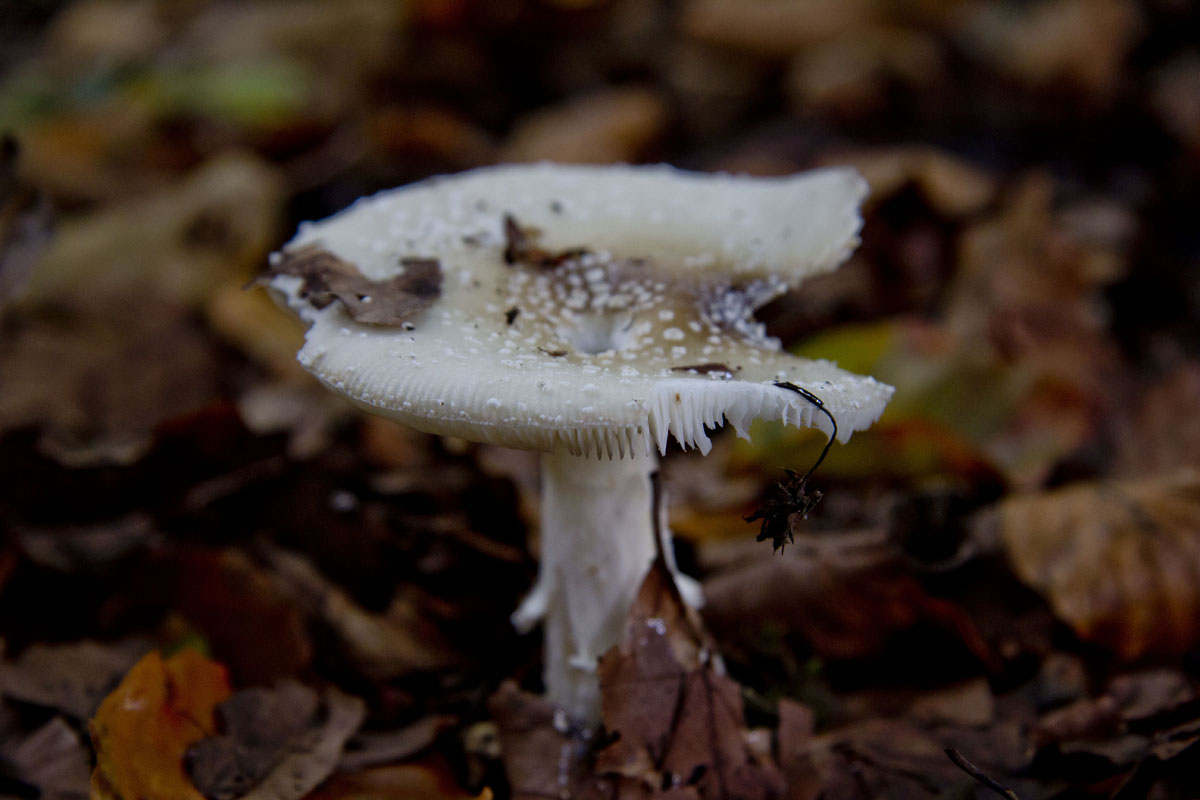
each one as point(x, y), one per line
point(597, 545)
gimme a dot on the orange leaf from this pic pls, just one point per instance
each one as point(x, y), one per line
point(143, 728)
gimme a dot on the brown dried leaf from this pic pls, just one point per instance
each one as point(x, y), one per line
point(428, 780)
point(847, 595)
point(26, 223)
point(383, 747)
point(1162, 431)
point(53, 759)
point(542, 756)
point(677, 720)
point(98, 379)
point(612, 126)
point(953, 186)
point(71, 678)
point(278, 744)
point(770, 27)
point(1117, 560)
point(399, 642)
point(520, 247)
point(1080, 43)
point(388, 302)
point(210, 228)
point(251, 622)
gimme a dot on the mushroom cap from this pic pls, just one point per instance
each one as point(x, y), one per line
point(648, 333)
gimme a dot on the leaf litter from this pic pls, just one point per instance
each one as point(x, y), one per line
point(998, 569)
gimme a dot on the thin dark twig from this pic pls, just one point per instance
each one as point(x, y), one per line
point(966, 766)
point(816, 401)
point(791, 496)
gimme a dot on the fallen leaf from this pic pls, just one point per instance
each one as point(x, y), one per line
point(617, 125)
point(520, 247)
point(427, 780)
point(953, 186)
point(88, 548)
point(388, 302)
point(847, 594)
point(1161, 431)
point(794, 740)
point(142, 730)
point(251, 622)
point(1082, 43)
point(203, 231)
point(382, 647)
point(97, 379)
point(676, 719)
point(1119, 560)
point(54, 759)
point(770, 27)
point(543, 756)
point(70, 678)
point(1175, 97)
point(277, 744)
point(26, 224)
point(373, 748)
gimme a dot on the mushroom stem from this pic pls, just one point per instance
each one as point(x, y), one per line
point(597, 545)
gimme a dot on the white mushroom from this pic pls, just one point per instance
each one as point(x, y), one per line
point(644, 330)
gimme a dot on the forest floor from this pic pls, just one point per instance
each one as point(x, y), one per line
point(219, 580)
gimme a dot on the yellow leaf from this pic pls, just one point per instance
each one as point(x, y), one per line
point(144, 727)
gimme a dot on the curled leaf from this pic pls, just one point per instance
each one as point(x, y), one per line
point(143, 728)
point(388, 302)
point(1119, 561)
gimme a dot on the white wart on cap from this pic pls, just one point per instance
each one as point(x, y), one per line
point(643, 329)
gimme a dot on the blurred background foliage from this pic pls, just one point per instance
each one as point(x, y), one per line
point(1026, 515)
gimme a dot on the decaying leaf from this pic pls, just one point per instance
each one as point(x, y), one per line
point(277, 744)
point(846, 594)
point(676, 719)
point(382, 647)
point(207, 228)
point(53, 759)
point(70, 678)
point(142, 730)
point(369, 749)
point(1117, 560)
point(608, 127)
point(251, 622)
point(543, 756)
point(26, 223)
point(1161, 432)
point(427, 780)
point(520, 247)
point(673, 725)
point(389, 302)
point(97, 379)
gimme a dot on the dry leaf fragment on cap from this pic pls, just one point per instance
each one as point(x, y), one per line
point(327, 278)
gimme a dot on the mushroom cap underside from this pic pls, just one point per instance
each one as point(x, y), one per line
point(643, 329)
